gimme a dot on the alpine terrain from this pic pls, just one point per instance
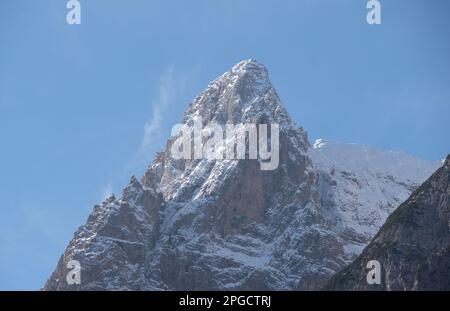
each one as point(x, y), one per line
point(229, 225)
point(412, 247)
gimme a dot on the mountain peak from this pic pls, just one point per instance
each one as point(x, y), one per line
point(226, 224)
point(253, 75)
point(250, 66)
point(244, 94)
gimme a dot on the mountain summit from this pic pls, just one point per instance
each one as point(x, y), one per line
point(201, 224)
point(242, 95)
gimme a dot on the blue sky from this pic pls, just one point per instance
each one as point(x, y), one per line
point(74, 100)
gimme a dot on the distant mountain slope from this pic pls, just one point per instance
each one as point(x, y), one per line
point(226, 224)
point(361, 185)
point(413, 246)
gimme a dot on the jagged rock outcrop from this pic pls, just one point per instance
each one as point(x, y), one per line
point(412, 247)
point(227, 224)
point(113, 244)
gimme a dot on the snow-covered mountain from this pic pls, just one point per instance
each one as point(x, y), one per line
point(226, 224)
point(412, 247)
point(362, 185)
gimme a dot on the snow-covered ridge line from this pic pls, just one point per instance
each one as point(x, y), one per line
point(360, 157)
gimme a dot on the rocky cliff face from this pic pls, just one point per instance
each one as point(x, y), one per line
point(412, 247)
point(226, 224)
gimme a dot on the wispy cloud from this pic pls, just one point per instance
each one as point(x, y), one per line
point(169, 88)
point(171, 85)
